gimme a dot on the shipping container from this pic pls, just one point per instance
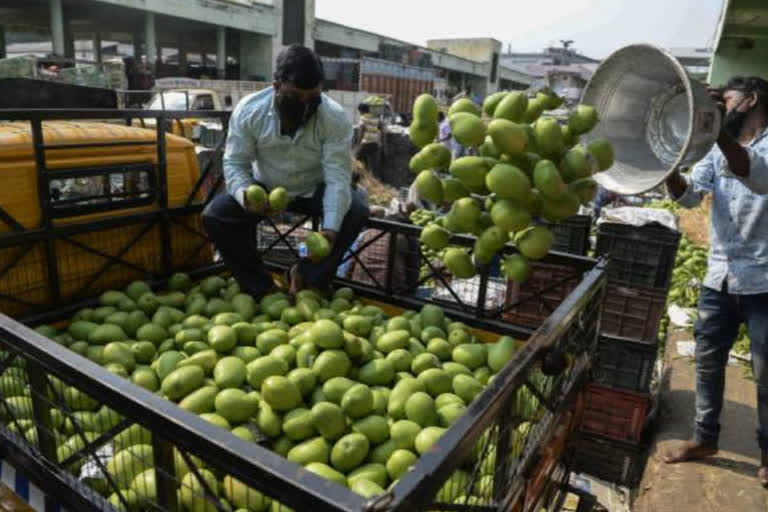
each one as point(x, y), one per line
point(404, 83)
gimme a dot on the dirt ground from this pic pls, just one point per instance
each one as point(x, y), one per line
point(694, 223)
point(723, 483)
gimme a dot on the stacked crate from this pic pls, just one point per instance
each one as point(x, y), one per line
point(640, 264)
point(571, 235)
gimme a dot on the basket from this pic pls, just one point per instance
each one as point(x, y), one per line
point(571, 235)
point(633, 313)
point(638, 256)
point(613, 461)
point(615, 414)
point(624, 364)
point(533, 301)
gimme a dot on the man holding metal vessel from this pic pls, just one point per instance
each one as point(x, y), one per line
point(735, 289)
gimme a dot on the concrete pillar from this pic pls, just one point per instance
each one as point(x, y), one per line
point(137, 47)
point(221, 53)
point(150, 37)
point(256, 58)
point(277, 39)
point(182, 48)
point(69, 36)
point(57, 27)
point(97, 47)
point(309, 24)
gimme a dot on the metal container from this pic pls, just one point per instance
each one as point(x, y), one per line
point(656, 117)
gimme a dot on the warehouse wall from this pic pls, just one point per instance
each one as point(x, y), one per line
point(730, 61)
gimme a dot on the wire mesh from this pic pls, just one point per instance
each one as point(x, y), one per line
point(279, 239)
point(24, 278)
point(115, 462)
point(530, 303)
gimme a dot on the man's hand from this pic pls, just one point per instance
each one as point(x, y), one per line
point(330, 236)
point(265, 210)
point(676, 184)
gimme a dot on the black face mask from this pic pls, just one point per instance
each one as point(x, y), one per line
point(295, 111)
point(734, 121)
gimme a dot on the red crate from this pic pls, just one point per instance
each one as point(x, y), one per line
point(615, 414)
point(632, 312)
point(551, 453)
point(546, 288)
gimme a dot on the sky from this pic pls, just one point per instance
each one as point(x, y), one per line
point(597, 26)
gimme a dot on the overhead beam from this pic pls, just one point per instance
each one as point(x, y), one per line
point(745, 31)
point(257, 18)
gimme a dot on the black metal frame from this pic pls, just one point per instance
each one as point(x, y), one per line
point(256, 466)
point(49, 232)
point(270, 473)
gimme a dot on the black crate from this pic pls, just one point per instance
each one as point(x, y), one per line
point(571, 235)
point(624, 364)
point(632, 312)
point(638, 256)
point(613, 461)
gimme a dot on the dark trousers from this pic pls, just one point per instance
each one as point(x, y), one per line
point(720, 314)
point(233, 231)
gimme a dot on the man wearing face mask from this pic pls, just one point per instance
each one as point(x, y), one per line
point(735, 289)
point(289, 135)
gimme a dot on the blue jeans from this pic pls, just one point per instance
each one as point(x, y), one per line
point(720, 314)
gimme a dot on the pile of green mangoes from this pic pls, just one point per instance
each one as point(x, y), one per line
point(525, 165)
point(687, 277)
point(665, 204)
point(688, 274)
point(331, 384)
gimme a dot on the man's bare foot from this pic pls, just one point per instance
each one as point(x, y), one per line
point(689, 450)
point(762, 473)
point(295, 281)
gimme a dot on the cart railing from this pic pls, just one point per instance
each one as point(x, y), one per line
point(551, 367)
point(67, 417)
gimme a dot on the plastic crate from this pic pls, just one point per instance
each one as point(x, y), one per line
point(638, 256)
point(633, 313)
point(547, 287)
point(615, 414)
point(613, 461)
point(624, 364)
point(571, 235)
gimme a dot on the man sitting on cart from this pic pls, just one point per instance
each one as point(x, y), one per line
point(288, 135)
point(735, 289)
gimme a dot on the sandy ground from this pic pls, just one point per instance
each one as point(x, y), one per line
point(723, 483)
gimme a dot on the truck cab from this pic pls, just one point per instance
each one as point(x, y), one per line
point(189, 99)
point(186, 100)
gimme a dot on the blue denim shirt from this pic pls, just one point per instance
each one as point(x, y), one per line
point(738, 235)
point(320, 151)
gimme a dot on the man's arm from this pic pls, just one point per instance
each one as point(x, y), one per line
point(337, 171)
point(239, 155)
point(748, 164)
point(689, 192)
